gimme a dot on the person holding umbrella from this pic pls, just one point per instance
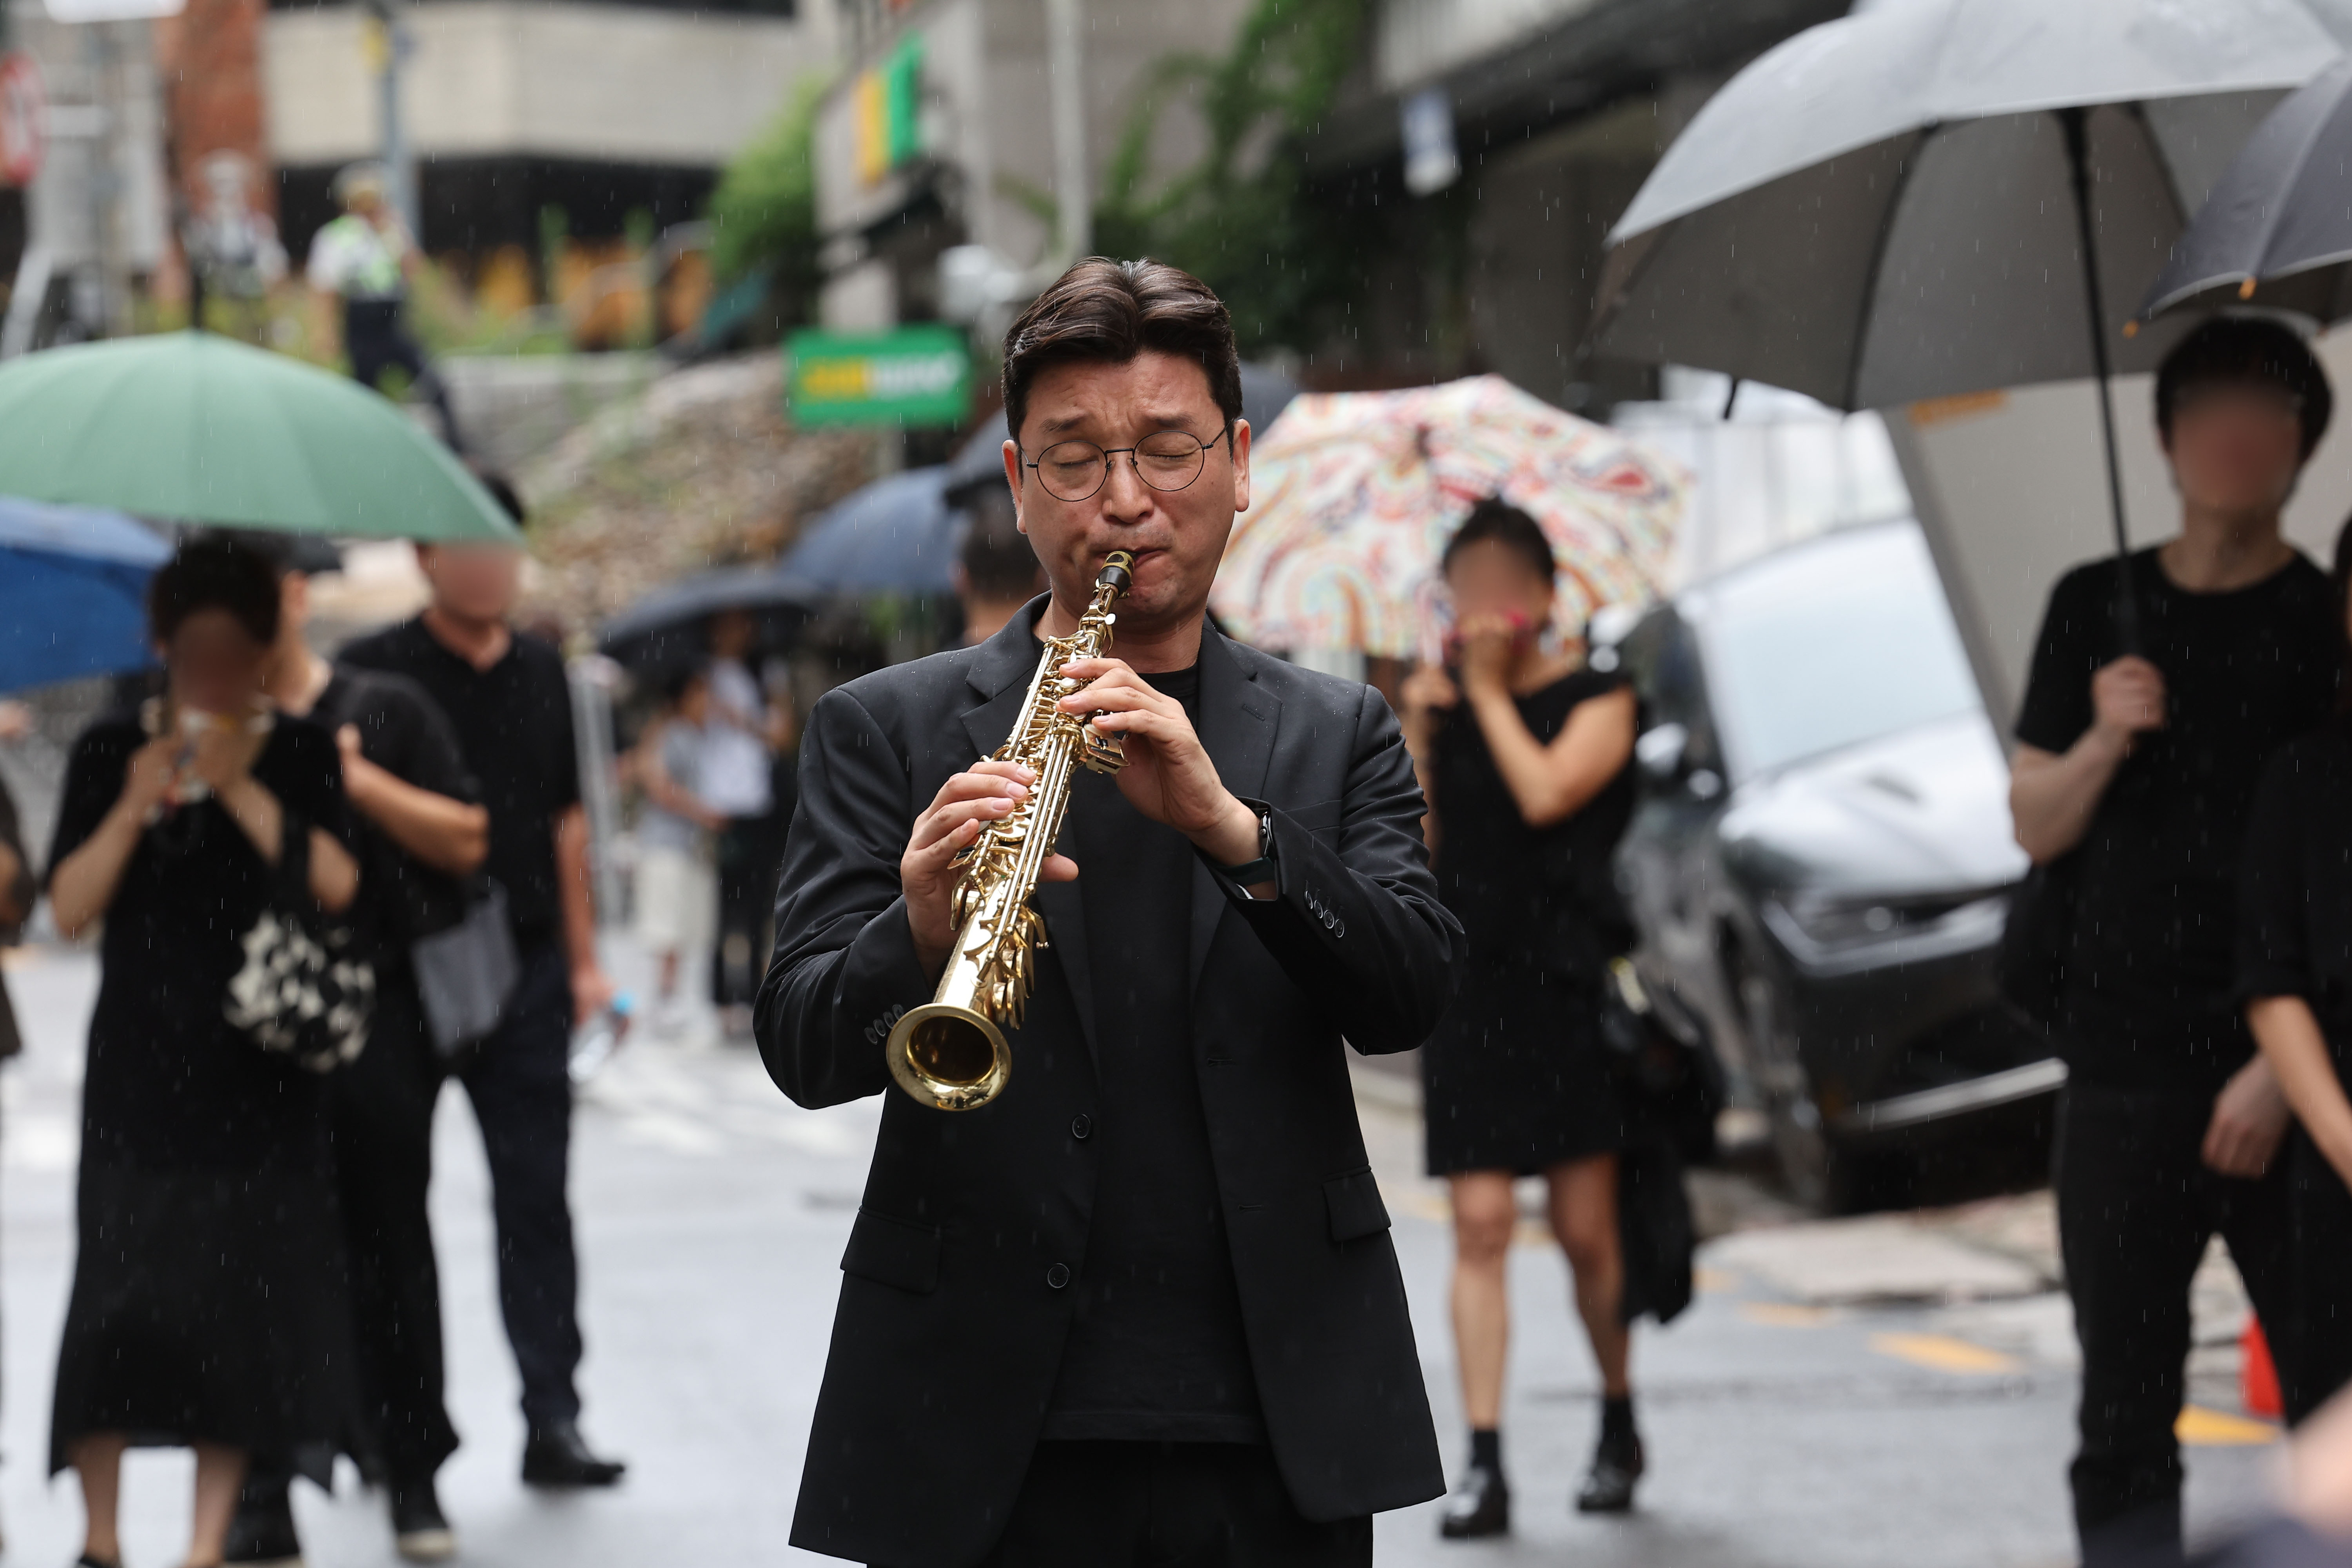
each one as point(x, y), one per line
point(2133, 780)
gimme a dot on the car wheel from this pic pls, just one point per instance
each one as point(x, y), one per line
point(1809, 1160)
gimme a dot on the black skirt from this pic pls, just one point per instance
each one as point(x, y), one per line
point(208, 1307)
point(1515, 1078)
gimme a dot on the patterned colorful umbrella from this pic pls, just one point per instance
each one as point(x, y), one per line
point(1355, 494)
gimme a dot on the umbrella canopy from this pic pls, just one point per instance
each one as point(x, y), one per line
point(1355, 494)
point(1881, 209)
point(193, 426)
point(897, 535)
point(73, 589)
point(669, 629)
point(2277, 229)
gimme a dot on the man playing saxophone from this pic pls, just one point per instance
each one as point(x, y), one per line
point(1141, 1304)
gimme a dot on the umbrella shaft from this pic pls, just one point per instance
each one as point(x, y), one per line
point(2078, 159)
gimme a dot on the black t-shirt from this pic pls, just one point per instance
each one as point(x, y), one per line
point(2294, 884)
point(513, 725)
point(2148, 994)
point(171, 1085)
point(1156, 1348)
point(400, 730)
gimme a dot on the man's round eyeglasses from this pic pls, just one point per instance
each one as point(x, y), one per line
point(1165, 460)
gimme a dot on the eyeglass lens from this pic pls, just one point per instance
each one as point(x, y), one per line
point(1075, 470)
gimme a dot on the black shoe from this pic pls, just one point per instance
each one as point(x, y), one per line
point(558, 1456)
point(1480, 1506)
point(419, 1531)
point(261, 1532)
point(1617, 1464)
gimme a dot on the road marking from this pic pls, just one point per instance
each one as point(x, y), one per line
point(1942, 1353)
point(1784, 1314)
point(1713, 1281)
point(2205, 1429)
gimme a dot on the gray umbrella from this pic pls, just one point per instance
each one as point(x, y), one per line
point(1941, 197)
point(2277, 228)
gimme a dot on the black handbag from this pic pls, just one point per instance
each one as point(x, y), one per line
point(1670, 1087)
point(2031, 962)
point(303, 992)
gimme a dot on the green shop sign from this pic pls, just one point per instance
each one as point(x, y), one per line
point(915, 375)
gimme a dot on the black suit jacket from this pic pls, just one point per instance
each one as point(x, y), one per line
point(955, 1302)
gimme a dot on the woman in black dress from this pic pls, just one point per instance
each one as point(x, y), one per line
point(208, 1309)
point(2295, 971)
point(1522, 754)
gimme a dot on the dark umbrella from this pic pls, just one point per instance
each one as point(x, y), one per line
point(897, 535)
point(2277, 229)
point(73, 589)
point(1941, 197)
point(669, 628)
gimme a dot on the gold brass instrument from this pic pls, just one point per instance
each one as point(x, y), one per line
point(950, 1053)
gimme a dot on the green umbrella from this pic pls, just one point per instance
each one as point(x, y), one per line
point(199, 428)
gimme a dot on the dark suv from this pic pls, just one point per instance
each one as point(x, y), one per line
point(1822, 861)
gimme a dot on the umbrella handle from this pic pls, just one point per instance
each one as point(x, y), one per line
point(2075, 121)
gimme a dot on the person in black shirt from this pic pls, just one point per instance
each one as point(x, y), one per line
point(1523, 754)
point(420, 833)
point(1142, 1307)
point(2294, 969)
point(208, 1309)
point(506, 698)
point(2134, 777)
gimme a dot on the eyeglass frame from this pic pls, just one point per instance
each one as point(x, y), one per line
point(1226, 435)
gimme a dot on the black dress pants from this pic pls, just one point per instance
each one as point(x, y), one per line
point(2320, 1361)
point(1167, 1505)
point(2136, 1207)
point(520, 1083)
point(383, 1110)
point(746, 854)
point(376, 339)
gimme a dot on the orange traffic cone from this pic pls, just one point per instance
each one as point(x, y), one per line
point(2257, 1384)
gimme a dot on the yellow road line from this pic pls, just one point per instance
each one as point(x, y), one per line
point(1942, 1353)
point(1784, 1314)
point(2203, 1428)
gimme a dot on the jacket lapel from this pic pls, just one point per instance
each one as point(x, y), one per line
point(1238, 720)
point(998, 679)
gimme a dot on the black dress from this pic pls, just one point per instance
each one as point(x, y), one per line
point(209, 1298)
point(1515, 1079)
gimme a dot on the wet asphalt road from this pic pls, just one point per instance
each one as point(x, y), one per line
point(1795, 1416)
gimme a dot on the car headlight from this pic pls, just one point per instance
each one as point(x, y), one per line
point(1832, 922)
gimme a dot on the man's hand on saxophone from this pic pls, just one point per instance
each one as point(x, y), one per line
point(928, 873)
point(1168, 776)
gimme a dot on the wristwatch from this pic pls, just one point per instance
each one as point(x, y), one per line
point(1264, 868)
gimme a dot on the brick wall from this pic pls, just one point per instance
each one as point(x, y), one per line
point(210, 56)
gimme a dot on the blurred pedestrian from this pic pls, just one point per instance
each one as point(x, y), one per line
point(208, 1309)
point(18, 890)
point(739, 738)
point(2295, 968)
point(676, 896)
point(996, 571)
point(2132, 782)
point(420, 833)
point(506, 699)
point(359, 268)
point(1522, 753)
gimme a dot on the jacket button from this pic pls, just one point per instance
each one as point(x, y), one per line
point(1082, 1125)
point(1057, 1276)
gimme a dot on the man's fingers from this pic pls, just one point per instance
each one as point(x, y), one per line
point(942, 821)
point(1058, 868)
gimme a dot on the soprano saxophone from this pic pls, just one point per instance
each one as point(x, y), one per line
point(951, 1052)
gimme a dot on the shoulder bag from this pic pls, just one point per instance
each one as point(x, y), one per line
point(303, 992)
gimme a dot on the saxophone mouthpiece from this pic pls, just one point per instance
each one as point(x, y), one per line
point(1117, 571)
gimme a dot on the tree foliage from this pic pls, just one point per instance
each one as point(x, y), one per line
point(1245, 219)
point(763, 212)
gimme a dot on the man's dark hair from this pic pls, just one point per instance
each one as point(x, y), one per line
point(1496, 521)
point(681, 681)
point(1108, 312)
point(208, 572)
point(998, 563)
point(2246, 348)
point(502, 491)
point(2342, 577)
